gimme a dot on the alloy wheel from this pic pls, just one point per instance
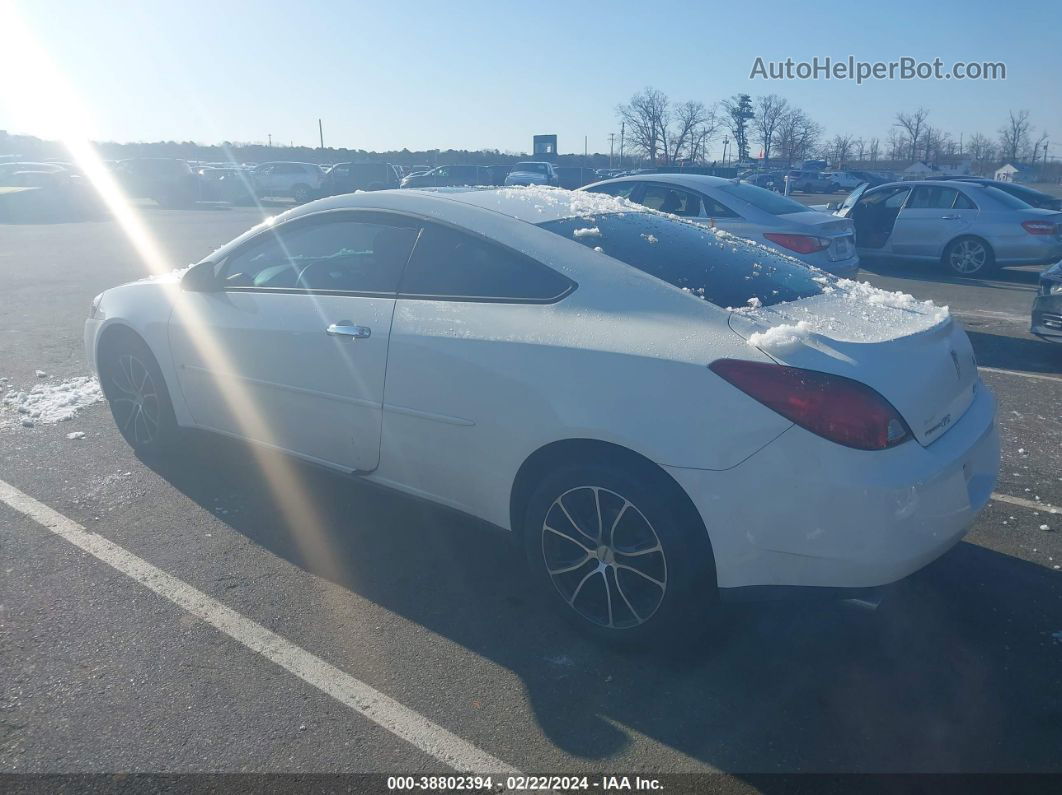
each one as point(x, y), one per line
point(969, 256)
point(136, 403)
point(604, 557)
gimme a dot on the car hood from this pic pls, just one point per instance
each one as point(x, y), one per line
point(912, 352)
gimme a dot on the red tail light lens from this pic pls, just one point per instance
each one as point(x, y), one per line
point(802, 244)
point(831, 406)
point(1039, 227)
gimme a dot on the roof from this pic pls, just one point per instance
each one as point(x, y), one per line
point(535, 204)
point(693, 181)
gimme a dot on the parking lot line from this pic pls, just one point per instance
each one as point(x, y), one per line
point(381, 709)
point(1035, 376)
point(1045, 507)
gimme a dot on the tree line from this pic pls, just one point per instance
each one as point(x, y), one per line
point(665, 132)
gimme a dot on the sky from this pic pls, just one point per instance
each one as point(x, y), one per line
point(471, 74)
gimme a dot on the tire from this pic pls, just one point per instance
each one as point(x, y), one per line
point(644, 575)
point(301, 194)
point(137, 395)
point(969, 256)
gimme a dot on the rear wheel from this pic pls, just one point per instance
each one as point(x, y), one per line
point(969, 256)
point(136, 393)
point(618, 554)
point(301, 194)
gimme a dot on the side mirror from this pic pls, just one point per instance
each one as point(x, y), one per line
point(201, 279)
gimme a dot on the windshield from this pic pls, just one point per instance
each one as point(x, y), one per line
point(722, 269)
point(538, 168)
point(763, 199)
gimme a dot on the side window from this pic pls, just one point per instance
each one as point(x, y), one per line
point(671, 200)
point(451, 264)
point(896, 200)
point(963, 202)
point(926, 197)
point(715, 209)
point(621, 189)
point(351, 256)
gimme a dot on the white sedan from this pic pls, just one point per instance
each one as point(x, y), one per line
point(663, 414)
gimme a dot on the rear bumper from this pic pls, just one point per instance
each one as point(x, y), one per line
point(806, 512)
point(1029, 250)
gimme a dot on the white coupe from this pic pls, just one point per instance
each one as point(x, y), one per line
point(663, 413)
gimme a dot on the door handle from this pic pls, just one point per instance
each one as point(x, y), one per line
point(346, 329)
point(949, 218)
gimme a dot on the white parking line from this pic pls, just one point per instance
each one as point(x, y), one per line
point(1034, 376)
point(360, 697)
point(1045, 507)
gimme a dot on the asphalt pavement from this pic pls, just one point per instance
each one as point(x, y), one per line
point(401, 638)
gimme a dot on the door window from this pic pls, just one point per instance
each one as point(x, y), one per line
point(343, 255)
point(932, 197)
point(671, 200)
point(450, 264)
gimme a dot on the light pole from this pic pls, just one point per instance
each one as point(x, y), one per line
point(726, 142)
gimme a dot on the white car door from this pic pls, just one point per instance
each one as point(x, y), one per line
point(290, 350)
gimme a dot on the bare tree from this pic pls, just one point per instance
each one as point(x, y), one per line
point(769, 112)
point(1014, 136)
point(689, 118)
point(981, 150)
point(703, 136)
point(860, 148)
point(896, 145)
point(647, 116)
point(798, 135)
point(873, 149)
point(840, 149)
point(912, 125)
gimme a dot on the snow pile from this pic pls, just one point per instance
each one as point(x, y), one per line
point(650, 238)
point(782, 338)
point(76, 435)
point(590, 231)
point(51, 403)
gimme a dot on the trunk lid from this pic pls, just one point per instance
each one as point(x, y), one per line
point(911, 352)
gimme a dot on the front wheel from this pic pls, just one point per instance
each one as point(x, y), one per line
point(969, 256)
point(136, 393)
point(620, 555)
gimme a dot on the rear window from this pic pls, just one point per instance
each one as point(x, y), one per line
point(722, 269)
point(1004, 198)
point(763, 199)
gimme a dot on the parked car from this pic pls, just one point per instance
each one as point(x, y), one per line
point(11, 173)
point(969, 228)
point(449, 176)
point(572, 177)
point(771, 180)
point(1047, 306)
point(811, 182)
point(650, 448)
point(499, 172)
point(289, 180)
point(532, 173)
point(845, 180)
point(226, 183)
point(747, 211)
point(1030, 196)
point(349, 177)
point(169, 181)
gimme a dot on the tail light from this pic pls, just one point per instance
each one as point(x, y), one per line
point(802, 244)
point(1039, 227)
point(831, 406)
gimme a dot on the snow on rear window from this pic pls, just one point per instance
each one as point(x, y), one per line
point(722, 268)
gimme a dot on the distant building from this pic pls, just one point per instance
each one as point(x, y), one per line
point(1017, 172)
point(544, 147)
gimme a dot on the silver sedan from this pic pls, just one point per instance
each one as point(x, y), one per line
point(967, 227)
point(748, 211)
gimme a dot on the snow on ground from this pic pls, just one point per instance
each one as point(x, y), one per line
point(48, 403)
point(779, 339)
point(589, 231)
